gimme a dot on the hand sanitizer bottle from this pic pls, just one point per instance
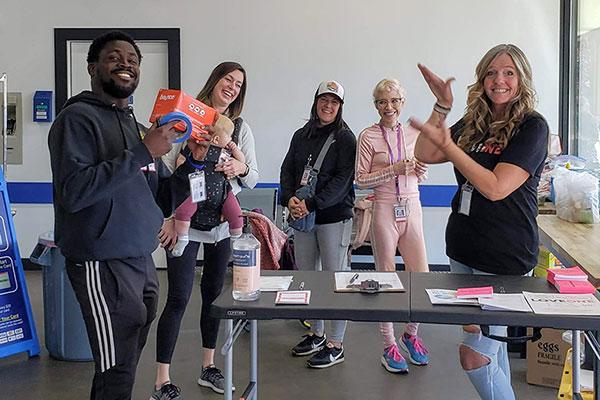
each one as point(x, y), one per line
point(246, 266)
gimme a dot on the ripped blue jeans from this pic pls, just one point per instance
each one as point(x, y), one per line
point(492, 381)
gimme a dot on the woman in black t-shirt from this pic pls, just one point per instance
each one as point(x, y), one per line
point(498, 150)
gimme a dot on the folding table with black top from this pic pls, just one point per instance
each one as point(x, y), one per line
point(413, 305)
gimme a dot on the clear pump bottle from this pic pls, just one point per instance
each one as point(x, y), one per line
point(246, 266)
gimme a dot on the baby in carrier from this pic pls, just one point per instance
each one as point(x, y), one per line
point(220, 202)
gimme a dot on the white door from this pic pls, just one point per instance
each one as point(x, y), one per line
point(153, 76)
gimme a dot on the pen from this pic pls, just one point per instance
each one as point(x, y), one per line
point(301, 286)
point(354, 277)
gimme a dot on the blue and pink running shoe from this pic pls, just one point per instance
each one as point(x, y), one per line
point(393, 361)
point(417, 352)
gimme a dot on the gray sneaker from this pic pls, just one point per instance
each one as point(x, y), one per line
point(168, 391)
point(213, 378)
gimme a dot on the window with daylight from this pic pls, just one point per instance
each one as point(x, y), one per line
point(586, 138)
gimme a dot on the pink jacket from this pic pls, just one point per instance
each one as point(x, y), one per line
point(373, 166)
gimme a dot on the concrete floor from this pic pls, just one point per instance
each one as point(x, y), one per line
point(281, 376)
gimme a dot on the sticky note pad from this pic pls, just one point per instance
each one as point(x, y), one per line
point(474, 292)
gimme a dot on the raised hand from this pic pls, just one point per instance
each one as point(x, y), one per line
point(438, 135)
point(440, 88)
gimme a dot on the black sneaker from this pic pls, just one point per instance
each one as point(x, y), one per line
point(309, 345)
point(213, 378)
point(168, 391)
point(326, 357)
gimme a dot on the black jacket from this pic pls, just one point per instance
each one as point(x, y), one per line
point(104, 203)
point(334, 197)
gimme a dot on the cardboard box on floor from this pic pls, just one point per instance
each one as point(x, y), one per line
point(546, 358)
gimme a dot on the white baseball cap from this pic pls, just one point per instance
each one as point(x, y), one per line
point(331, 87)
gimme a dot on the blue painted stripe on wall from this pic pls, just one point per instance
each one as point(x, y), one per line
point(30, 192)
point(431, 195)
point(41, 193)
point(437, 195)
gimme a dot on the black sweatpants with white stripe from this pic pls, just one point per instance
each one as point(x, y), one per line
point(118, 299)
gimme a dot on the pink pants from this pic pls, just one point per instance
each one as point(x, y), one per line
point(231, 211)
point(407, 236)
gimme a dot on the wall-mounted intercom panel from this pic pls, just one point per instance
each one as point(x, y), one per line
point(14, 128)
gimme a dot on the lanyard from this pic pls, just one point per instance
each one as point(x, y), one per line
point(199, 167)
point(399, 142)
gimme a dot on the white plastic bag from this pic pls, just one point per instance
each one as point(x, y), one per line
point(576, 196)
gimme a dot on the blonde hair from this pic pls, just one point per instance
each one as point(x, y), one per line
point(478, 116)
point(223, 128)
point(388, 85)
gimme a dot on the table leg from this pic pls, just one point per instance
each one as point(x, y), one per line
point(576, 360)
point(229, 361)
point(596, 335)
point(254, 356)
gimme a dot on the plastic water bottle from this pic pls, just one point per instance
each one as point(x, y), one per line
point(246, 266)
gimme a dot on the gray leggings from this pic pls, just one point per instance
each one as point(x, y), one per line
point(325, 249)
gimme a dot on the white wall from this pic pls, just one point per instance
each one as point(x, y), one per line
point(287, 48)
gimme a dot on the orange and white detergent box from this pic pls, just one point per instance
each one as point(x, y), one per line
point(200, 114)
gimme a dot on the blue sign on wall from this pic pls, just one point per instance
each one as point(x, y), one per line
point(17, 328)
point(42, 106)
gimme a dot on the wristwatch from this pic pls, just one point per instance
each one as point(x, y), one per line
point(245, 172)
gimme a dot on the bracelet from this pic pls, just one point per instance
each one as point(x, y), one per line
point(246, 172)
point(441, 109)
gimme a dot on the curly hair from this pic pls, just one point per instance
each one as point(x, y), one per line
point(478, 116)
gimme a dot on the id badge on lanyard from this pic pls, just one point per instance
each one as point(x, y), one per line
point(402, 210)
point(306, 175)
point(466, 193)
point(197, 186)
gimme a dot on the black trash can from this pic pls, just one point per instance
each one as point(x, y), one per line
point(64, 330)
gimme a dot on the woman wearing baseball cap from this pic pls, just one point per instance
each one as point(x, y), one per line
point(324, 246)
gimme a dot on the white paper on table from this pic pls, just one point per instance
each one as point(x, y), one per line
point(342, 280)
point(448, 297)
point(275, 283)
point(505, 302)
point(557, 303)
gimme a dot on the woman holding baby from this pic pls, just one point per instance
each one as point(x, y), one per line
point(225, 91)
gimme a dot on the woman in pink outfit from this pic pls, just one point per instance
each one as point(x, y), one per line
point(385, 162)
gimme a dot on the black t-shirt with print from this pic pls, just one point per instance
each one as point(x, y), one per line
point(501, 237)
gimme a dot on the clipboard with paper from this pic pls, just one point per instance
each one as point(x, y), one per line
point(367, 282)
